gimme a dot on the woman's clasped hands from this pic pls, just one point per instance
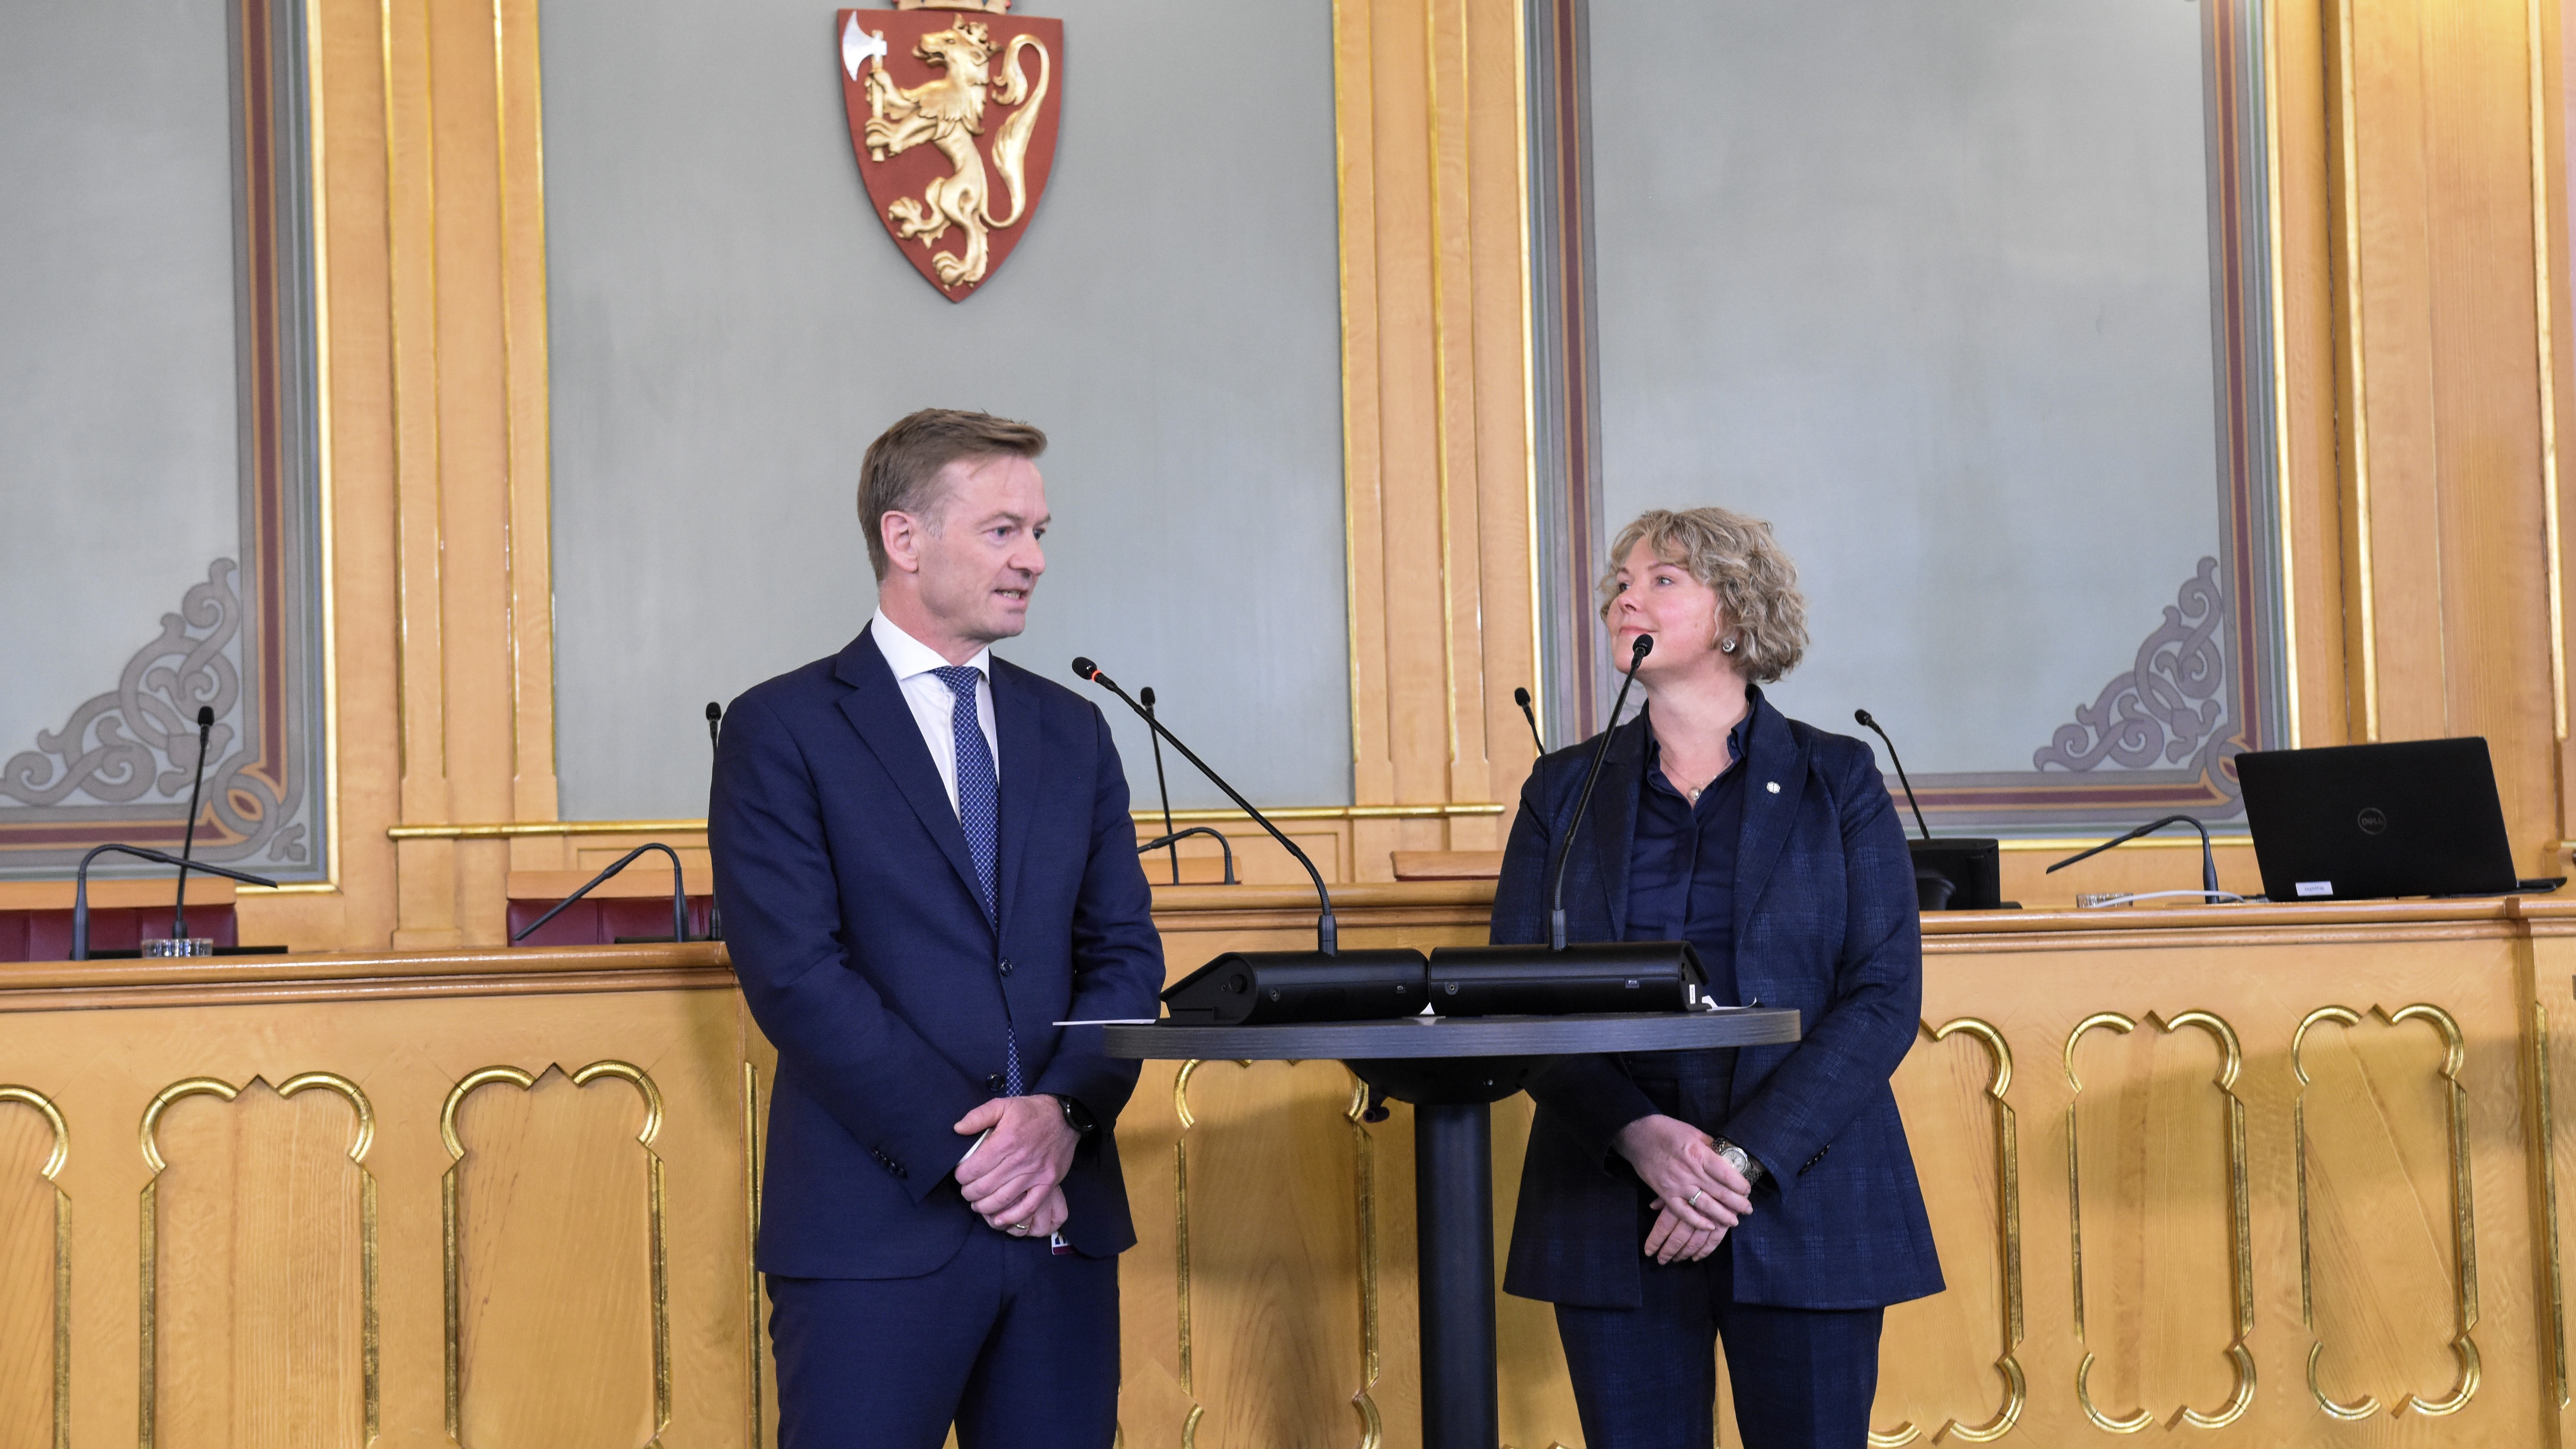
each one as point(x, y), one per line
point(1698, 1194)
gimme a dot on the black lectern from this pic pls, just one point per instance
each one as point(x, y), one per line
point(1453, 1071)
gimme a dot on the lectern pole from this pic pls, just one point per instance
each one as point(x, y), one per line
point(1453, 1175)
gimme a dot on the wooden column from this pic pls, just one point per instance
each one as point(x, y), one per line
point(1429, 119)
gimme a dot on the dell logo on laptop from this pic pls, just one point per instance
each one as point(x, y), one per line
point(2373, 821)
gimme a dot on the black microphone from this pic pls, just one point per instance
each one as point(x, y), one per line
point(188, 844)
point(1644, 646)
point(679, 894)
point(80, 886)
point(1327, 931)
point(1176, 837)
point(1597, 976)
point(715, 908)
point(1171, 836)
point(1521, 697)
point(1871, 725)
point(2208, 862)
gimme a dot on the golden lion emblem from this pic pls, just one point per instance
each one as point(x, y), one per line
point(948, 112)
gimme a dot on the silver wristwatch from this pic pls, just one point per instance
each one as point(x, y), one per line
point(1742, 1161)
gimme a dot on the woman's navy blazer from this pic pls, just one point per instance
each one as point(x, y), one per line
point(1825, 923)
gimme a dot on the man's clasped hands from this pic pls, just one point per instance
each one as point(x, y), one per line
point(1014, 1181)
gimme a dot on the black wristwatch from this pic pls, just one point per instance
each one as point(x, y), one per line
point(1076, 1116)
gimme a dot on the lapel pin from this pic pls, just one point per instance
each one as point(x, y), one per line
point(1773, 787)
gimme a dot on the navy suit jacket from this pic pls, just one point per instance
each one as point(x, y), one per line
point(864, 952)
point(1825, 923)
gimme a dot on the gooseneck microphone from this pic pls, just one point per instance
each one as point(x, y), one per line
point(679, 894)
point(1521, 697)
point(80, 886)
point(1862, 717)
point(715, 741)
point(1327, 931)
point(2208, 862)
point(1163, 787)
point(188, 843)
point(1644, 646)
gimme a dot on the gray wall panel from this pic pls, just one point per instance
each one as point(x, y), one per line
point(730, 325)
point(118, 466)
point(1927, 286)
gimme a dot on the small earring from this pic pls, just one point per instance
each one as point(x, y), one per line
point(1726, 648)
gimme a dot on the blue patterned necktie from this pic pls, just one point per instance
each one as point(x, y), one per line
point(979, 812)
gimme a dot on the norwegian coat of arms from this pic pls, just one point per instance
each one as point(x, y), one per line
point(953, 108)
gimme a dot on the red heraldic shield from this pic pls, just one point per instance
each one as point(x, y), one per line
point(953, 115)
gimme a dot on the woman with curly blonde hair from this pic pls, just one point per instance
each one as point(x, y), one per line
point(1760, 1198)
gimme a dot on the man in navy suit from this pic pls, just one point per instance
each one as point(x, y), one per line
point(925, 860)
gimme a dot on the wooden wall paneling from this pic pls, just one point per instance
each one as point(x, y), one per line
point(34, 1218)
point(2552, 235)
point(2380, 1227)
point(527, 517)
point(1962, 1376)
point(2156, 1175)
point(261, 1239)
point(2552, 995)
point(556, 1239)
point(2299, 80)
point(2442, 472)
point(1429, 118)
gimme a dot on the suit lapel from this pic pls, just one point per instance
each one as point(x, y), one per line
point(1613, 818)
point(876, 708)
point(1018, 727)
point(1777, 759)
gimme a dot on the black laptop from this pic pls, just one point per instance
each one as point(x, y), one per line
point(2355, 822)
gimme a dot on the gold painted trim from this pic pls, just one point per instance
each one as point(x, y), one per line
point(370, 1343)
point(2360, 403)
point(2543, 306)
point(1364, 1161)
point(2464, 1231)
point(1181, 1243)
point(52, 1174)
point(656, 1208)
point(148, 1374)
point(1529, 352)
point(2008, 1198)
point(2240, 1357)
point(2545, 1149)
point(502, 830)
point(1343, 210)
point(2279, 279)
point(1440, 438)
point(751, 1241)
point(326, 474)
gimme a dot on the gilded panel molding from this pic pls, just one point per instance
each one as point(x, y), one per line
point(751, 1247)
point(642, 1081)
point(2008, 1209)
point(2544, 1151)
point(1364, 1201)
point(52, 1173)
point(1181, 1242)
point(369, 1338)
point(2240, 1239)
point(2464, 1229)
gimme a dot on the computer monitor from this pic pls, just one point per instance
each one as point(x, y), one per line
point(2357, 822)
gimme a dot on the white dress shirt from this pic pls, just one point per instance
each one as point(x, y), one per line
point(934, 705)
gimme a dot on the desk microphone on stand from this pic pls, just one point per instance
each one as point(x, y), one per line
point(679, 894)
point(1164, 787)
point(1959, 873)
point(1521, 697)
point(2209, 891)
point(1558, 977)
point(80, 886)
point(1249, 987)
point(188, 843)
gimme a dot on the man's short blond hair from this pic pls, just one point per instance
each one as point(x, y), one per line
point(1737, 556)
point(901, 471)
